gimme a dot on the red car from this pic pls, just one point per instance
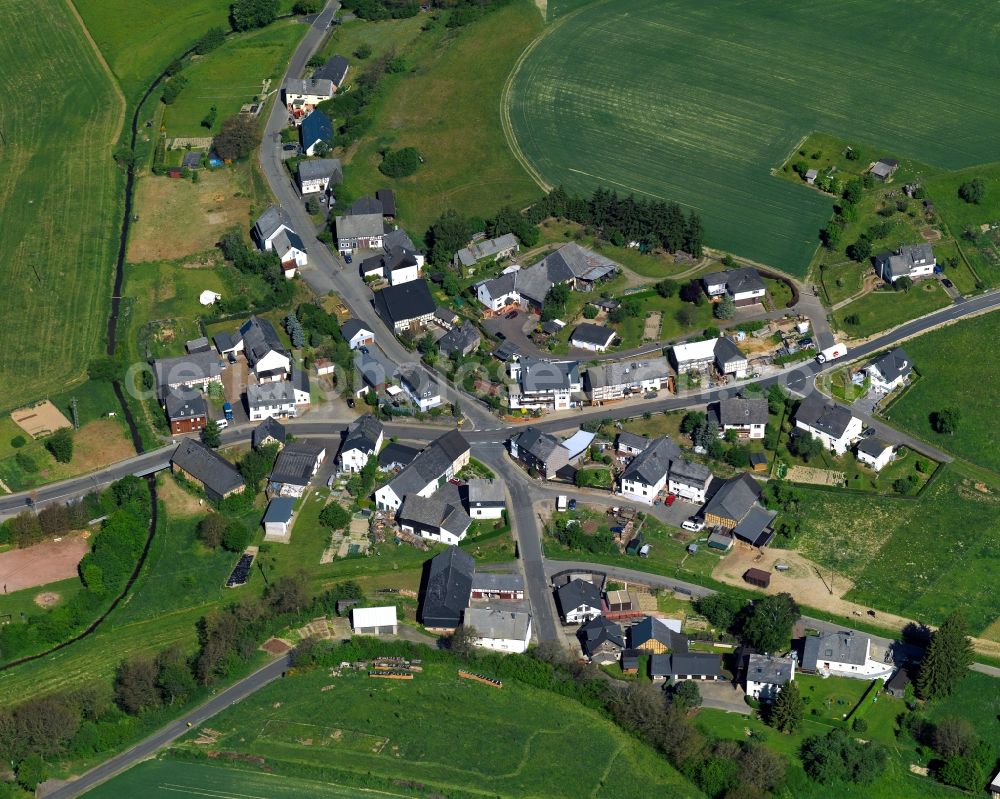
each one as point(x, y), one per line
point(671, 499)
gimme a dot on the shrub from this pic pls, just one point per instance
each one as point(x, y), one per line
point(246, 15)
point(237, 138)
point(335, 516)
point(399, 163)
point(60, 444)
point(237, 536)
point(589, 311)
point(363, 51)
point(972, 191)
point(18, 441)
point(173, 89)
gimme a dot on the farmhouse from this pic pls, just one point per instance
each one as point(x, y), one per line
point(656, 636)
point(196, 370)
point(497, 249)
point(843, 654)
point(744, 285)
point(396, 265)
point(463, 340)
point(601, 640)
point(270, 431)
point(405, 305)
point(884, 168)
point(748, 417)
point(447, 589)
point(578, 601)
point(277, 519)
point(296, 465)
point(543, 385)
point(334, 70)
point(361, 227)
point(318, 174)
point(729, 360)
point(834, 425)
point(485, 499)
point(269, 224)
point(630, 443)
point(766, 675)
point(374, 621)
point(259, 342)
point(356, 334)
point(315, 133)
point(396, 456)
point(271, 400)
point(302, 95)
point(291, 251)
point(646, 476)
point(187, 411)
point(613, 381)
point(487, 585)
point(689, 480)
point(911, 260)
point(889, 371)
point(500, 630)
point(362, 441)
point(734, 508)
point(685, 666)
point(595, 338)
point(195, 461)
point(701, 355)
point(580, 268)
point(438, 517)
point(440, 461)
point(875, 453)
point(498, 294)
point(540, 451)
point(422, 391)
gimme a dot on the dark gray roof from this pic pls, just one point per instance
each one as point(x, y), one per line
point(387, 198)
point(318, 168)
point(597, 632)
point(650, 465)
point(224, 341)
point(735, 498)
point(650, 629)
point(538, 375)
point(485, 249)
point(403, 302)
point(485, 492)
point(366, 205)
point(351, 327)
point(443, 508)
point(489, 581)
point(873, 446)
point(430, 464)
point(269, 428)
point(279, 509)
point(894, 364)
point(358, 225)
point(374, 367)
point(215, 472)
point(702, 664)
point(363, 434)
point(843, 646)
point(500, 285)
point(463, 339)
point(689, 472)
point(388, 261)
point(449, 586)
point(737, 280)
point(398, 238)
point(769, 669)
point(726, 351)
point(576, 593)
point(296, 462)
point(537, 443)
point(589, 333)
point(270, 221)
point(335, 70)
point(393, 453)
point(632, 440)
point(755, 527)
point(740, 411)
point(831, 419)
point(197, 344)
point(259, 338)
point(185, 404)
point(300, 379)
point(185, 369)
point(506, 351)
point(278, 392)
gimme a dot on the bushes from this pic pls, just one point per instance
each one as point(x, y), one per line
point(212, 38)
point(569, 533)
point(60, 444)
point(246, 15)
point(400, 163)
point(334, 516)
point(173, 88)
point(837, 756)
point(238, 137)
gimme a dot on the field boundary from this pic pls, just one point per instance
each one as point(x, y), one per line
point(123, 103)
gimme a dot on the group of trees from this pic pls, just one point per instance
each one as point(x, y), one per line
point(215, 531)
point(963, 761)
point(847, 211)
point(238, 137)
point(245, 15)
point(399, 163)
point(764, 624)
point(838, 756)
point(570, 533)
point(972, 191)
point(251, 261)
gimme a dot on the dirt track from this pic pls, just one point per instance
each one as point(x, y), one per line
point(42, 563)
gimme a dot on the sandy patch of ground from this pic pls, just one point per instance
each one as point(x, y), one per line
point(41, 419)
point(651, 332)
point(930, 234)
point(808, 474)
point(178, 217)
point(48, 599)
point(42, 563)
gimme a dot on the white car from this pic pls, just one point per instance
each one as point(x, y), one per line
point(693, 525)
point(222, 424)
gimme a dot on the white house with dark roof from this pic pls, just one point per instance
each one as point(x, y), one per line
point(316, 174)
point(360, 227)
point(485, 499)
point(911, 260)
point(700, 355)
point(271, 400)
point(844, 653)
point(890, 370)
point(405, 305)
point(646, 475)
point(269, 224)
point(422, 391)
point(266, 355)
point(441, 460)
point(875, 453)
point(498, 294)
point(499, 629)
point(440, 516)
point(543, 385)
point(194, 370)
point(291, 252)
point(689, 480)
point(834, 425)
point(766, 675)
point(579, 601)
point(744, 285)
point(362, 441)
point(540, 451)
point(357, 334)
point(596, 338)
point(613, 381)
point(302, 95)
point(746, 416)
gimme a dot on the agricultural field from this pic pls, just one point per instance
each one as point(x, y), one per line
point(701, 121)
point(954, 374)
point(57, 257)
point(447, 111)
point(885, 309)
point(394, 729)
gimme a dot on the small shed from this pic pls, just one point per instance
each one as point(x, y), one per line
point(758, 461)
point(811, 175)
point(278, 520)
point(630, 660)
point(720, 540)
point(633, 546)
point(374, 621)
point(324, 366)
point(344, 605)
point(758, 577)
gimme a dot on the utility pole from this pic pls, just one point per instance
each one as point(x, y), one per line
point(76, 416)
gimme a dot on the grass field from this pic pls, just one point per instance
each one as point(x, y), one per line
point(951, 363)
point(512, 742)
point(446, 109)
point(57, 256)
point(882, 310)
point(711, 96)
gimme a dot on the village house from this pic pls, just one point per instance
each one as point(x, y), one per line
point(498, 294)
point(375, 370)
point(195, 370)
point(540, 451)
point(422, 390)
point(268, 225)
point(360, 227)
point(395, 456)
point(701, 355)
point(277, 520)
point(834, 425)
point(497, 249)
point(317, 175)
point(270, 431)
point(543, 385)
point(735, 509)
point(374, 621)
point(844, 653)
point(601, 640)
point(357, 334)
point(300, 386)
point(405, 305)
point(315, 133)
point(654, 636)
point(399, 238)
point(362, 441)
point(766, 675)
point(744, 285)
point(302, 95)
point(291, 251)
point(890, 370)
point(397, 266)
point(685, 666)
point(578, 601)
point(630, 443)
point(276, 400)
point(875, 453)
point(441, 460)
point(296, 465)
point(258, 341)
point(194, 461)
point(689, 480)
point(490, 585)
point(646, 475)
point(438, 517)
point(462, 340)
point(614, 381)
point(334, 70)
point(485, 499)
point(186, 409)
point(447, 589)
point(595, 338)
point(911, 260)
point(500, 630)
point(748, 417)
point(580, 268)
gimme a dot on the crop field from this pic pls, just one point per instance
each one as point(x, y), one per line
point(513, 742)
point(713, 95)
point(57, 256)
point(954, 374)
